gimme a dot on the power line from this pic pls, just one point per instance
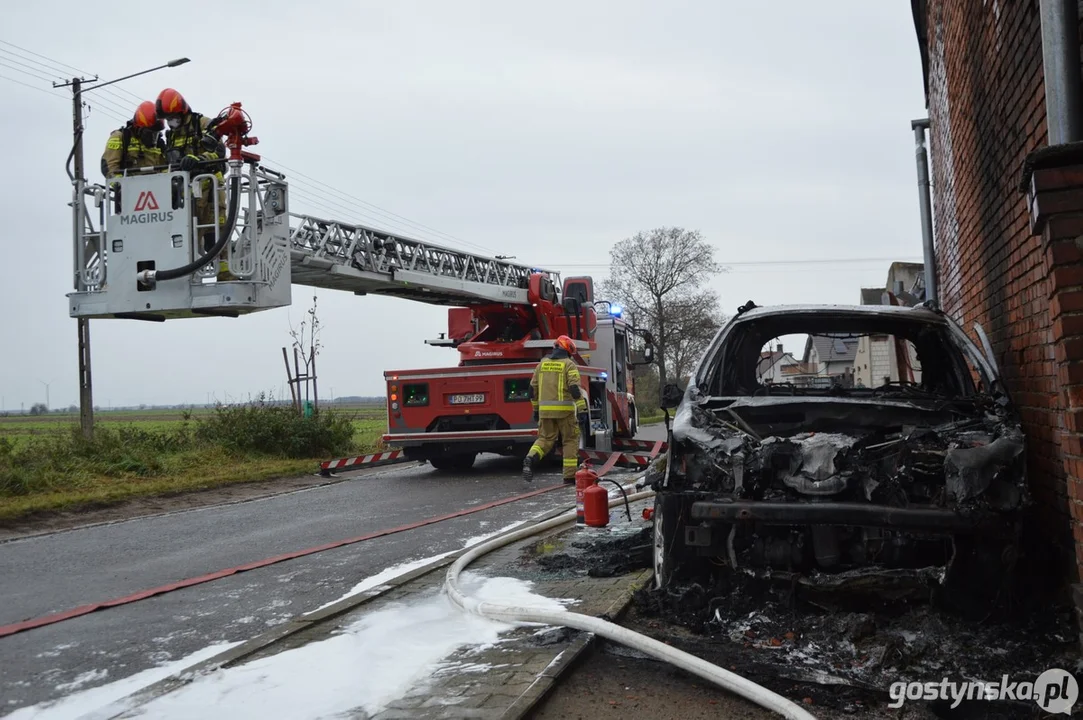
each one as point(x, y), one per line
point(51, 61)
point(378, 209)
point(754, 263)
point(312, 196)
point(8, 62)
point(33, 87)
point(102, 105)
point(106, 105)
point(51, 71)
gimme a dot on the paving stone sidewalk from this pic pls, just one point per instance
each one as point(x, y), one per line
point(502, 680)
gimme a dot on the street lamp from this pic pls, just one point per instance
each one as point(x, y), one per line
point(86, 401)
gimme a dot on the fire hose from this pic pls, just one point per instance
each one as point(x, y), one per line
point(603, 628)
point(152, 276)
point(233, 124)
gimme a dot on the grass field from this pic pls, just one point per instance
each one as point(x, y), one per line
point(651, 418)
point(46, 465)
point(370, 422)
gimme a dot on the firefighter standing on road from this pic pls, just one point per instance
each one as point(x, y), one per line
point(136, 145)
point(559, 407)
point(191, 145)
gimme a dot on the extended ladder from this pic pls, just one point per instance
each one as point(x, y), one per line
point(147, 222)
point(340, 256)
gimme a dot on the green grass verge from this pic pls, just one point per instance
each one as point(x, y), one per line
point(48, 466)
point(652, 419)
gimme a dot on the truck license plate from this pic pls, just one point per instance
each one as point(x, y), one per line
point(470, 399)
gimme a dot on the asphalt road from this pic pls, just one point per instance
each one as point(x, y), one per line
point(52, 573)
point(49, 574)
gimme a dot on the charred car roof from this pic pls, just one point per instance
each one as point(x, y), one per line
point(741, 339)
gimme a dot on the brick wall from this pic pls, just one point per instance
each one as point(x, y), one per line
point(987, 113)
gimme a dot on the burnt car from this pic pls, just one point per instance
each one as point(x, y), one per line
point(913, 482)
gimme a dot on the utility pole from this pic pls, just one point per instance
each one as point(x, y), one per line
point(86, 395)
point(86, 385)
point(79, 220)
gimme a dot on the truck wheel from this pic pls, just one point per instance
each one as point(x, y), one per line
point(668, 539)
point(453, 463)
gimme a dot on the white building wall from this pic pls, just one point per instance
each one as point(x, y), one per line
point(880, 362)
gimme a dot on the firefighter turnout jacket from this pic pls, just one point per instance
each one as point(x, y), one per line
point(125, 151)
point(554, 390)
point(194, 138)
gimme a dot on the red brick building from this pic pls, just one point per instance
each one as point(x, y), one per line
point(1008, 225)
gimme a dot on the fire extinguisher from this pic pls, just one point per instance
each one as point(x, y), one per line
point(585, 477)
point(596, 506)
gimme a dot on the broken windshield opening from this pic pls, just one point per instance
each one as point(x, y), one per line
point(873, 357)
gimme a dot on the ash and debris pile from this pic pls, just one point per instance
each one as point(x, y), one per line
point(848, 660)
point(596, 552)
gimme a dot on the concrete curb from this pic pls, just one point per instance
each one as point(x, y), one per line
point(548, 678)
point(253, 645)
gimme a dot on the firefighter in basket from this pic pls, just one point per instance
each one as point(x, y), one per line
point(191, 145)
point(136, 145)
point(559, 407)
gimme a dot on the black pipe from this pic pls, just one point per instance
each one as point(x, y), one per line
point(231, 219)
point(925, 202)
point(621, 488)
point(840, 513)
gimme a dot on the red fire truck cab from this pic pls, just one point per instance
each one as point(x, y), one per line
point(448, 415)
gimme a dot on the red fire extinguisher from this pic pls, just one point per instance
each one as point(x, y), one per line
point(596, 506)
point(584, 478)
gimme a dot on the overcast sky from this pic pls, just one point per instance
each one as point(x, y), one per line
point(779, 130)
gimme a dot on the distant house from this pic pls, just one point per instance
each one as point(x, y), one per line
point(831, 358)
point(905, 285)
point(877, 359)
point(774, 364)
point(803, 375)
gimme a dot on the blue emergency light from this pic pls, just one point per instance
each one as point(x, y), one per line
point(615, 310)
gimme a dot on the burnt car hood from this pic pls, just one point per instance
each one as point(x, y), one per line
point(895, 451)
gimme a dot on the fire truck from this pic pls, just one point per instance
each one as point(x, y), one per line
point(135, 258)
point(448, 415)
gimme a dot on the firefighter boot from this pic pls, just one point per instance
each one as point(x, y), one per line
point(528, 469)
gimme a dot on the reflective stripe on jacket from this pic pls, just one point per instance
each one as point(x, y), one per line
point(115, 160)
point(551, 382)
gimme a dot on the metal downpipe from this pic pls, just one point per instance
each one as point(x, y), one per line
point(921, 154)
point(1060, 65)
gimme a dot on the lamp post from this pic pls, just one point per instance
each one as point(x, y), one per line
point(86, 399)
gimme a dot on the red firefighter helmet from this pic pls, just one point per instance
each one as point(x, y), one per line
point(171, 102)
point(565, 342)
point(146, 115)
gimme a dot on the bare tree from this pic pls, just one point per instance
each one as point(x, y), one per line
point(309, 347)
point(659, 275)
point(691, 325)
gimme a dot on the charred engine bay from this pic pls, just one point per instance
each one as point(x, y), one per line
point(860, 451)
point(896, 482)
